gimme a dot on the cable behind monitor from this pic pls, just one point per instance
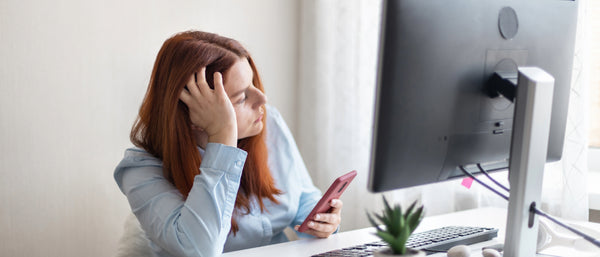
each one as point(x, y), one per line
point(533, 208)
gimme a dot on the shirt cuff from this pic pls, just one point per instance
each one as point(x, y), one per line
point(226, 158)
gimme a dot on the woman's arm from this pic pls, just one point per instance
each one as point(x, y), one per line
point(197, 226)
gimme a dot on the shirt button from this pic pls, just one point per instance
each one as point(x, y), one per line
point(238, 164)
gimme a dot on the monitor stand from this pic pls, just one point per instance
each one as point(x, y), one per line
point(533, 109)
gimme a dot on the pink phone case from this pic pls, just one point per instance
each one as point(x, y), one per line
point(334, 192)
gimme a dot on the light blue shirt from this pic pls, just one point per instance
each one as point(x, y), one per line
point(200, 225)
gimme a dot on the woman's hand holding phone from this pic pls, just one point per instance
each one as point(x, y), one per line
point(325, 217)
point(211, 111)
point(324, 224)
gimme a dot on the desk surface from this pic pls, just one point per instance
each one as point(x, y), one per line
point(483, 217)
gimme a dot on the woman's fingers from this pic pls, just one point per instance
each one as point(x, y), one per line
point(321, 231)
point(218, 80)
point(327, 218)
point(197, 86)
point(201, 81)
point(191, 86)
point(336, 205)
point(186, 97)
point(323, 225)
point(201, 76)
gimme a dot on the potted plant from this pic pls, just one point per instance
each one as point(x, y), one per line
point(398, 228)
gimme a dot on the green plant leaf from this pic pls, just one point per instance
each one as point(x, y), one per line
point(415, 219)
point(388, 209)
point(403, 237)
point(410, 209)
point(398, 212)
point(383, 220)
point(385, 236)
point(373, 222)
point(404, 233)
point(396, 246)
point(398, 225)
point(396, 221)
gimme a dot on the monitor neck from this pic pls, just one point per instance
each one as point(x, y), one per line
point(533, 109)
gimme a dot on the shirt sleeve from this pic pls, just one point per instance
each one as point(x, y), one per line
point(197, 226)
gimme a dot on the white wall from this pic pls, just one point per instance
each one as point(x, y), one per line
point(72, 76)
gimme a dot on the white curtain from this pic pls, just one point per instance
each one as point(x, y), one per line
point(565, 182)
point(335, 94)
point(338, 54)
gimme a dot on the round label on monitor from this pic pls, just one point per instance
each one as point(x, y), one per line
point(508, 23)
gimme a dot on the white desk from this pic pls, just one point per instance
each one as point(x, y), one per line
point(483, 217)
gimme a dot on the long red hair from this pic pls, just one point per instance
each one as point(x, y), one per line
point(163, 127)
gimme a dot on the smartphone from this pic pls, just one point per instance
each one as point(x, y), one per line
point(334, 192)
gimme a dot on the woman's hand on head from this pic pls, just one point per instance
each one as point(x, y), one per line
point(324, 224)
point(210, 110)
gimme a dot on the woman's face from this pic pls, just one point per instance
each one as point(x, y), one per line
point(248, 101)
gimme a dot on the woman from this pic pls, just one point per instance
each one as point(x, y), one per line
point(215, 168)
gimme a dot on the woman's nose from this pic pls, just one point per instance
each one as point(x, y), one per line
point(261, 98)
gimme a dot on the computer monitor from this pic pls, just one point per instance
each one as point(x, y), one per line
point(434, 111)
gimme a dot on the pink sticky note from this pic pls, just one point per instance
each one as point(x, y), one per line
point(467, 182)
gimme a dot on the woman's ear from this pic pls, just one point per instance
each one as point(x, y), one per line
point(196, 128)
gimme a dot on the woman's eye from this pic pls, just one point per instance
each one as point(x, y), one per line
point(243, 99)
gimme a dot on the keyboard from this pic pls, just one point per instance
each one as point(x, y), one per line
point(432, 241)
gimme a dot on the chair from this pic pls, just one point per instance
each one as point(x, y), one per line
point(134, 242)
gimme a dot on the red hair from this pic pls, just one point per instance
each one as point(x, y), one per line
point(163, 127)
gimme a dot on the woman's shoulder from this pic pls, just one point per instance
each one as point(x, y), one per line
point(137, 159)
point(274, 119)
point(279, 135)
point(276, 125)
point(273, 113)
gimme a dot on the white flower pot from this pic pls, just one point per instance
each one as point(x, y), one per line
point(387, 252)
